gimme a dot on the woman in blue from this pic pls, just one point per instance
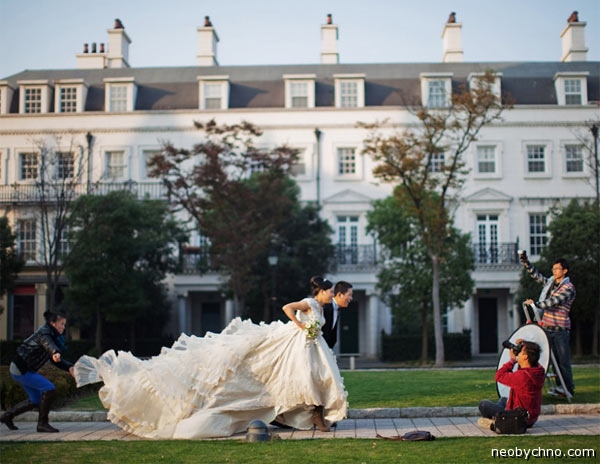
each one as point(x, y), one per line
point(44, 345)
point(213, 386)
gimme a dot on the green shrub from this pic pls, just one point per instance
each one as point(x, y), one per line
point(457, 347)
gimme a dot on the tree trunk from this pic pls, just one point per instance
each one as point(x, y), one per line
point(437, 313)
point(98, 332)
point(595, 333)
point(578, 346)
point(424, 334)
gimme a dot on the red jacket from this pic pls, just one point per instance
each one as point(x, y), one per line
point(525, 388)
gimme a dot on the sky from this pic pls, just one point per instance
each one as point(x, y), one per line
point(47, 34)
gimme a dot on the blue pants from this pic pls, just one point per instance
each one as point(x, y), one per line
point(559, 343)
point(489, 409)
point(34, 385)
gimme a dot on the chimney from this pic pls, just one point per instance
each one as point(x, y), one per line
point(118, 46)
point(573, 40)
point(207, 44)
point(452, 42)
point(329, 37)
point(91, 59)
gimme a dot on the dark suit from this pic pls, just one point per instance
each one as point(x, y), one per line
point(329, 330)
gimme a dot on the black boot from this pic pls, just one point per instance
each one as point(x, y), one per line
point(45, 403)
point(19, 408)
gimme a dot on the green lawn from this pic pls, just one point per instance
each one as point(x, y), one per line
point(426, 387)
point(338, 451)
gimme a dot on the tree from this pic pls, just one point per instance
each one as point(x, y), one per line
point(427, 164)
point(235, 194)
point(121, 250)
point(302, 244)
point(10, 262)
point(58, 170)
point(405, 283)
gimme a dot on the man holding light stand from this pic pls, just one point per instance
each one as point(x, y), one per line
point(554, 304)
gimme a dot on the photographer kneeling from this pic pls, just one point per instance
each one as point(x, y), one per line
point(525, 385)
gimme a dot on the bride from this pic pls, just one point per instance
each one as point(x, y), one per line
point(213, 386)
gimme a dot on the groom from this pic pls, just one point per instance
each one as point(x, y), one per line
point(342, 297)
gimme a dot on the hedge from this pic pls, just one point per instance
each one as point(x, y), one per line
point(457, 347)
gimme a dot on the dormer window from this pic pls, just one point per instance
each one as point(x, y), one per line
point(571, 88)
point(70, 96)
point(475, 79)
point(436, 90)
point(34, 97)
point(299, 90)
point(120, 94)
point(6, 93)
point(349, 90)
point(213, 92)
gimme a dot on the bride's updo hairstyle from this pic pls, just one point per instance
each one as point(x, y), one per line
point(318, 283)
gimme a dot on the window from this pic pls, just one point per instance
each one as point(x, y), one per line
point(63, 244)
point(537, 233)
point(119, 94)
point(349, 90)
point(572, 92)
point(487, 234)
point(28, 166)
point(536, 158)
point(27, 243)
point(118, 98)
point(476, 80)
point(486, 159)
point(68, 99)
point(574, 158)
point(147, 156)
point(571, 88)
point(437, 162)
point(299, 90)
point(115, 165)
point(437, 94)
point(65, 165)
point(33, 100)
point(347, 239)
point(346, 161)
point(436, 89)
point(214, 92)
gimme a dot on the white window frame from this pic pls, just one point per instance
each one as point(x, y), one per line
point(427, 79)
point(536, 248)
point(340, 80)
point(29, 253)
point(60, 165)
point(80, 94)
point(566, 146)
point(305, 159)
point(547, 159)
point(437, 161)
point(109, 169)
point(6, 95)
point(43, 86)
point(221, 82)
point(358, 163)
point(110, 84)
point(560, 80)
point(496, 147)
point(21, 154)
point(292, 80)
point(474, 80)
point(145, 154)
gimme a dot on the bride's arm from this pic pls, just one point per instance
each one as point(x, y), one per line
point(291, 308)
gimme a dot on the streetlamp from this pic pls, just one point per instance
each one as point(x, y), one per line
point(273, 264)
point(90, 140)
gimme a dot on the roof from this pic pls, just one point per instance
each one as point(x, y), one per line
point(386, 84)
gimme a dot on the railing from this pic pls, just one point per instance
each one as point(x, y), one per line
point(499, 254)
point(195, 260)
point(350, 258)
point(31, 193)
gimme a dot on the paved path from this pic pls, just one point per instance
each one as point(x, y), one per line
point(454, 426)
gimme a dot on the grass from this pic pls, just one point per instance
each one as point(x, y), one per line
point(425, 387)
point(445, 450)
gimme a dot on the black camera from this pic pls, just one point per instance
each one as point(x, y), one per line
point(516, 349)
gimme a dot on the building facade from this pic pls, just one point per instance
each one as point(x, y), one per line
point(112, 117)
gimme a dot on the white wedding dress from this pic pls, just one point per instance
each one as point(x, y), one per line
point(213, 386)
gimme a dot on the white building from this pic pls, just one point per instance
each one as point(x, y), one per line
point(520, 167)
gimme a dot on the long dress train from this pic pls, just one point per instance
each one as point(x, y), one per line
point(213, 386)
